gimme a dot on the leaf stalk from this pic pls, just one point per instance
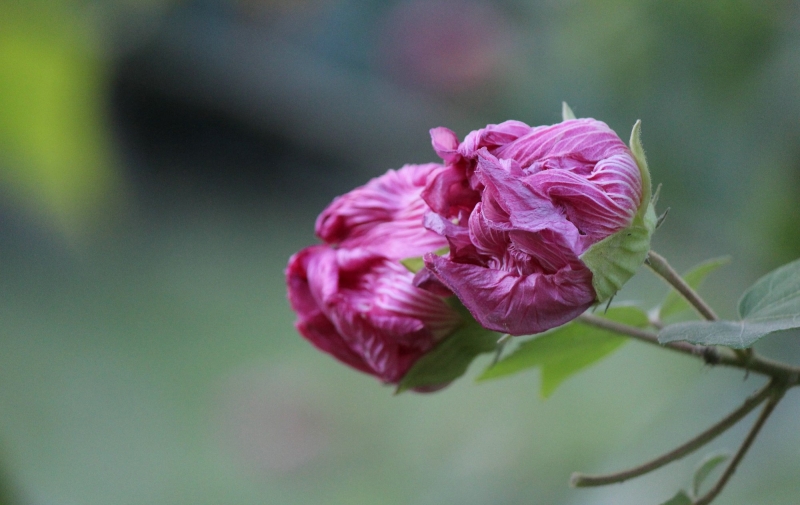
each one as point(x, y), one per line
point(660, 266)
point(776, 393)
point(583, 480)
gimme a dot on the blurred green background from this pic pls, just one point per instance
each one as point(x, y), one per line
point(161, 160)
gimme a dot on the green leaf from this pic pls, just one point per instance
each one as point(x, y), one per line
point(450, 358)
point(774, 296)
point(55, 147)
point(616, 258)
point(566, 112)
point(567, 349)
point(674, 303)
point(679, 499)
point(770, 305)
point(413, 265)
point(705, 468)
point(417, 263)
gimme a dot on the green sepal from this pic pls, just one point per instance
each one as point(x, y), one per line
point(616, 258)
point(566, 112)
point(452, 356)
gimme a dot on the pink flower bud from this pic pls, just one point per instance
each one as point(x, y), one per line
point(519, 206)
point(353, 297)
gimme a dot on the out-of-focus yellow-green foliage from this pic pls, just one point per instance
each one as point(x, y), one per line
point(54, 146)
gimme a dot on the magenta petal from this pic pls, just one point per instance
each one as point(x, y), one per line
point(386, 212)
point(424, 279)
point(523, 207)
point(577, 143)
point(457, 235)
point(445, 144)
point(493, 136)
point(363, 309)
point(311, 322)
point(448, 191)
point(518, 305)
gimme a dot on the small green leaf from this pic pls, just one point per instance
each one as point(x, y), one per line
point(450, 358)
point(770, 305)
point(566, 112)
point(566, 350)
point(413, 265)
point(679, 499)
point(705, 468)
point(674, 303)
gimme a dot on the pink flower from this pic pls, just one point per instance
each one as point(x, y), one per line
point(519, 206)
point(353, 297)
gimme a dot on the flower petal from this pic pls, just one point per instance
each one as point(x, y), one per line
point(387, 213)
point(518, 305)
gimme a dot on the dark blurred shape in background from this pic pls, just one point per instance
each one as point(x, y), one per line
point(160, 160)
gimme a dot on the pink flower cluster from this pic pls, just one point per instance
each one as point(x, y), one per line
point(516, 205)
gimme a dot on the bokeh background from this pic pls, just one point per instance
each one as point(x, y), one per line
point(160, 161)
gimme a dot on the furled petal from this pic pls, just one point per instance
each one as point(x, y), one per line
point(386, 212)
point(363, 309)
point(457, 234)
point(493, 136)
point(522, 207)
point(312, 323)
point(518, 305)
point(572, 145)
point(448, 191)
point(596, 209)
point(445, 143)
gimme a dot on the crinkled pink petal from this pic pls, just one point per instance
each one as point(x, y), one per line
point(521, 206)
point(386, 212)
point(518, 305)
point(492, 136)
point(574, 144)
point(448, 191)
point(547, 248)
point(491, 242)
point(457, 235)
point(425, 280)
point(362, 308)
point(445, 144)
point(597, 210)
point(312, 323)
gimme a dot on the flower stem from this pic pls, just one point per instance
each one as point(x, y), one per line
point(660, 266)
point(750, 362)
point(710, 354)
point(776, 395)
point(582, 480)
